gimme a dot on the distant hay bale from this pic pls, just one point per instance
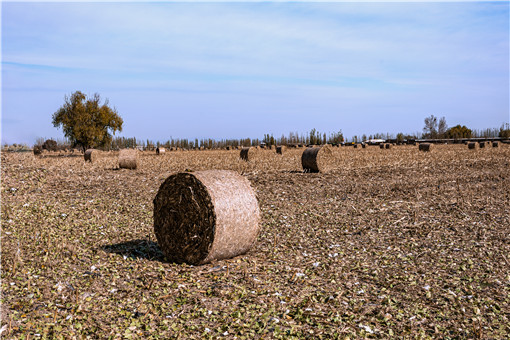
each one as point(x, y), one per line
point(471, 145)
point(424, 146)
point(381, 146)
point(248, 153)
point(387, 146)
point(482, 145)
point(355, 146)
point(91, 155)
point(280, 149)
point(495, 144)
point(205, 215)
point(128, 158)
point(37, 150)
point(229, 148)
point(363, 145)
point(317, 159)
point(160, 151)
point(273, 147)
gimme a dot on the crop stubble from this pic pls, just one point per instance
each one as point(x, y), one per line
point(394, 242)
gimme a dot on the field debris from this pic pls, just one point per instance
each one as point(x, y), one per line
point(393, 243)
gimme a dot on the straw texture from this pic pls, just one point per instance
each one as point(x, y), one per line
point(205, 215)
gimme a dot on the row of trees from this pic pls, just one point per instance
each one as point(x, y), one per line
point(438, 129)
point(88, 123)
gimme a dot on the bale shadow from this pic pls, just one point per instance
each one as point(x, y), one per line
point(60, 155)
point(143, 249)
point(293, 171)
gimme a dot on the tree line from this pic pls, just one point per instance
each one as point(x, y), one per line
point(88, 123)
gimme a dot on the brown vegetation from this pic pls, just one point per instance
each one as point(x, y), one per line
point(396, 244)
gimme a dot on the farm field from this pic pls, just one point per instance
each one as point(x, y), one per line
point(392, 243)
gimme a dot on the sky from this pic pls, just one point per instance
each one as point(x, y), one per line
point(244, 69)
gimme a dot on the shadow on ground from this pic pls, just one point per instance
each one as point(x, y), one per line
point(143, 249)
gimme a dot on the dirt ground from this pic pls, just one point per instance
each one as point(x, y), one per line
point(392, 243)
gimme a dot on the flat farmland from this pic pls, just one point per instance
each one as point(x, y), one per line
point(392, 243)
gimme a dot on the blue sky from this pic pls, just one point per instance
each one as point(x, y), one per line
point(233, 70)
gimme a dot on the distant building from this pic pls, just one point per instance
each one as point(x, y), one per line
point(374, 141)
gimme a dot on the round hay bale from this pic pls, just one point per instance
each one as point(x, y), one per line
point(471, 145)
point(355, 146)
point(388, 146)
point(205, 215)
point(38, 150)
point(91, 155)
point(381, 146)
point(128, 159)
point(363, 145)
point(317, 159)
point(248, 153)
point(482, 145)
point(495, 144)
point(160, 151)
point(424, 146)
point(280, 149)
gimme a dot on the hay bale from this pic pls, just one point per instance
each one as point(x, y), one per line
point(355, 146)
point(38, 150)
point(248, 153)
point(91, 155)
point(317, 159)
point(424, 147)
point(205, 215)
point(128, 158)
point(363, 145)
point(388, 146)
point(482, 145)
point(471, 145)
point(381, 146)
point(160, 151)
point(495, 144)
point(280, 149)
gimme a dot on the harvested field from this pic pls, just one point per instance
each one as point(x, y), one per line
point(388, 244)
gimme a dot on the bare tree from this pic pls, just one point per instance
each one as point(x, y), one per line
point(430, 129)
point(442, 127)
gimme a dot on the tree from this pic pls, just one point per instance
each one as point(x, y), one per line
point(50, 145)
point(87, 123)
point(442, 127)
point(432, 129)
point(458, 132)
point(504, 131)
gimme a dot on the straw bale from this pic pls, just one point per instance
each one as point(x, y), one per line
point(424, 146)
point(128, 159)
point(471, 145)
point(381, 146)
point(92, 155)
point(495, 144)
point(205, 215)
point(280, 149)
point(160, 151)
point(38, 150)
point(318, 159)
point(388, 146)
point(355, 146)
point(248, 153)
